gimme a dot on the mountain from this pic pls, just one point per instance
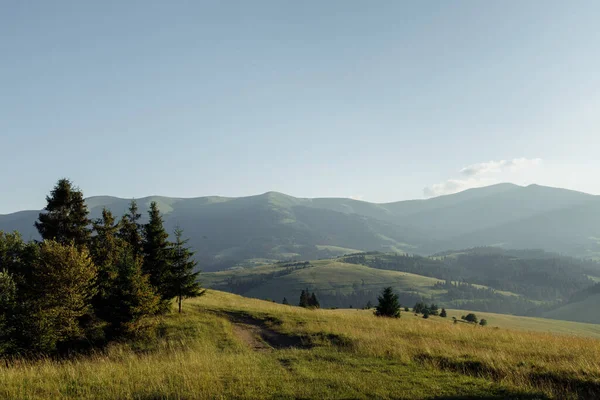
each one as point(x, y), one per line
point(274, 226)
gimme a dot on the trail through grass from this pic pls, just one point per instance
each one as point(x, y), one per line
point(324, 354)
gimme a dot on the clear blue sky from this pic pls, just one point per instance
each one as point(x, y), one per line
point(379, 100)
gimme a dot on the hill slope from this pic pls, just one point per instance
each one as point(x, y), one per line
point(227, 346)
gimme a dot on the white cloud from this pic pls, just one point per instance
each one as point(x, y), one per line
point(483, 174)
point(499, 166)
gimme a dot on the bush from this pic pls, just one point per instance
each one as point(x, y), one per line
point(471, 318)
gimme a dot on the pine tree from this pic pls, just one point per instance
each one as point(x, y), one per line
point(157, 257)
point(105, 250)
point(132, 298)
point(183, 278)
point(433, 309)
point(285, 301)
point(313, 302)
point(388, 304)
point(304, 299)
point(443, 314)
point(131, 230)
point(65, 219)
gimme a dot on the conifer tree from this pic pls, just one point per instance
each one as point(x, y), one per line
point(304, 299)
point(132, 299)
point(131, 230)
point(65, 217)
point(313, 301)
point(443, 314)
point(105, 251)
point(388, 304)
point(285, 301)
point(157, 257)
point(184, 280)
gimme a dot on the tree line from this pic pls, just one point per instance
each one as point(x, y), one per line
point(536, 275)
point(89, 282)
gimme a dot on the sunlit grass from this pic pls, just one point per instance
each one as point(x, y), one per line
point(197, 355)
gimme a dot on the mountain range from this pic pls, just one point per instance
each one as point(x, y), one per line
point(226, 231)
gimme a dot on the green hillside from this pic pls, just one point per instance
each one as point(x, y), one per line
point(339, 284)
point(274, 226)
point(513, 322)
point(584, 311)
point(226, 346)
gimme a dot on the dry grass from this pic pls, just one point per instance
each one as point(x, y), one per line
point(357, 355)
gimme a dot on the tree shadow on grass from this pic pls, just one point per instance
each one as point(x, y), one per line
point(503, 396)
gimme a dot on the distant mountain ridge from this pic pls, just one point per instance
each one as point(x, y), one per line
point(275, 226)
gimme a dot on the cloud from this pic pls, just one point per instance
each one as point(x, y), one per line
point(482, 174)
point(499, 166)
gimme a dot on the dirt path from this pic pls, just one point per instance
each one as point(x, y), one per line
point(251, 336)
point(259, 336)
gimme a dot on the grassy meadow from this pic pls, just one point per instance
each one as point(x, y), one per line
point(225, 346)
point(328, 276)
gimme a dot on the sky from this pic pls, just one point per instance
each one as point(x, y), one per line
point(379, 101)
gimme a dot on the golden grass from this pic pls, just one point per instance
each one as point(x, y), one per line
point(357, 355)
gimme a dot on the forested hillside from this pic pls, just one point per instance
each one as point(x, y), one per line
point(273, 226)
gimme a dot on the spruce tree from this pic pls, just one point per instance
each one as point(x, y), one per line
point(313, 301)
point(65, 217)
point(388, 304)
point(285, 301)
point(443, 314)
point(132, 299)
point(304, 299)
point(157, 257)
point(184, 280)
point(105, 251)
point(131, 230)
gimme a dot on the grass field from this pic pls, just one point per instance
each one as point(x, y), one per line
point(512, 322)
point(329, 276)
point(227, 346)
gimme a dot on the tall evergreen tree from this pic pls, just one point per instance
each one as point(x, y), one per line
point(443, 314)
point(157, 257)
point(65, 217)
point(313, 301)
point(132, 299)
point(285, 301)
point(106, 249)
point(388, 304)
point(304, 299)
point(184, 280)
point(131, 229)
